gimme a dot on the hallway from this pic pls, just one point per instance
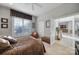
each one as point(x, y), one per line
point(58, 49)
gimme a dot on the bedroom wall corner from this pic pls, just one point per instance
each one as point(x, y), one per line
point(34, 23)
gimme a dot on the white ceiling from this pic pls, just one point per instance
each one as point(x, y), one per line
point(35, 9)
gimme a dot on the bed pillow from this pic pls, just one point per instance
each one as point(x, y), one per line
point(4, 43)
point(10, 39)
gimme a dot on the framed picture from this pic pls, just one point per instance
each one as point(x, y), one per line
point(4, 25)
point(47, 23)
point(4, 20)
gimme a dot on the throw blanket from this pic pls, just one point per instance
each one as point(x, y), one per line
point(26, 46)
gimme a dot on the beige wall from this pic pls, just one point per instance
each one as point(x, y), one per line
point(34, 22)
point(5, 13)
point(59, 12)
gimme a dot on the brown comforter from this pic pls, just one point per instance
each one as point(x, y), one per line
point(26, 46)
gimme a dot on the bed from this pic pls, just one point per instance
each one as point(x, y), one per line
point(25, 46)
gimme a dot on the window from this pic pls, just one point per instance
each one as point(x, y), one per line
point(22, 26)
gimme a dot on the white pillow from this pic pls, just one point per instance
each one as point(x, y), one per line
point(4, 43)
point(10, 39)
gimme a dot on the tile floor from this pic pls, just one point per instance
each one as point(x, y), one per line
point(58, 49)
